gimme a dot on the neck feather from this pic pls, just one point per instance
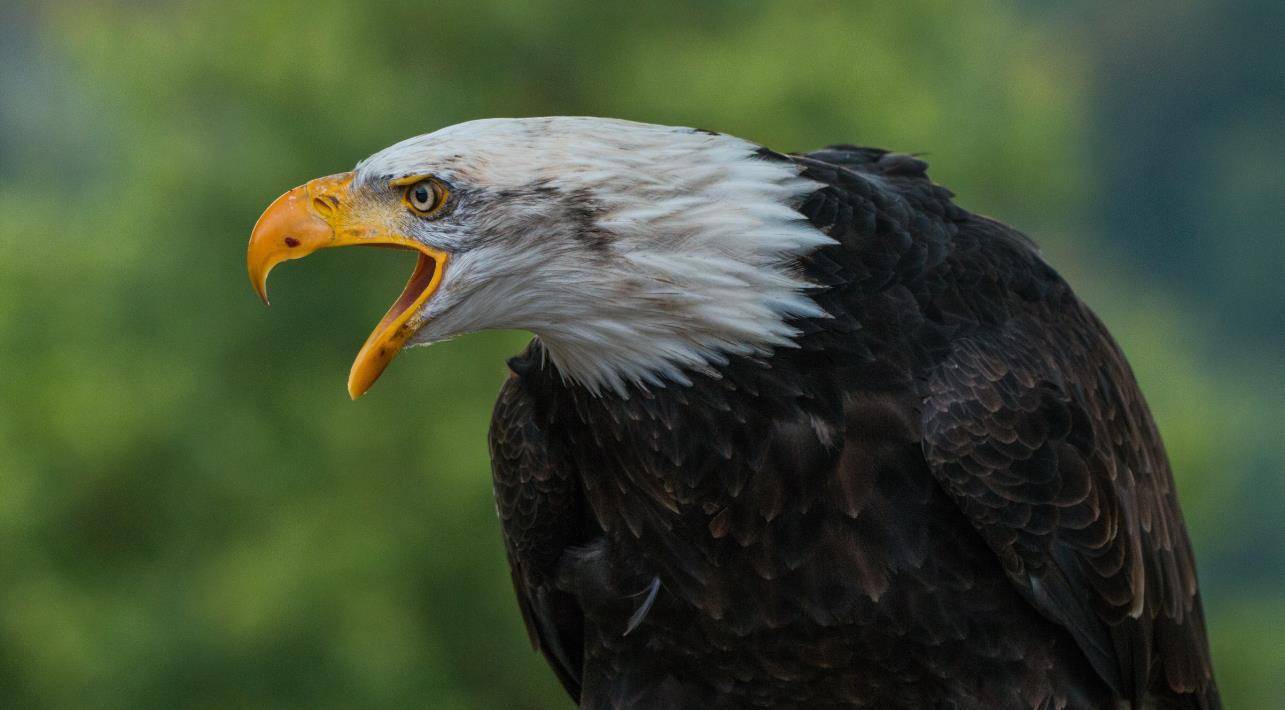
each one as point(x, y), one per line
point(703, 265)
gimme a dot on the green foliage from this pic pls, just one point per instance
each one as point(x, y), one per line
point(194, 515)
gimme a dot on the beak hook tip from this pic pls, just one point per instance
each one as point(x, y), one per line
point(261, 291)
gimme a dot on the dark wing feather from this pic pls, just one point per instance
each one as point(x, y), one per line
point(540, 511)
point(1031, 419)
point(1034, 424)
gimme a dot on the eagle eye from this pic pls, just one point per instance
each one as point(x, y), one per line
point(425, 197)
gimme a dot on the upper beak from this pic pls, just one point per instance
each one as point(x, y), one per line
point(319, 215)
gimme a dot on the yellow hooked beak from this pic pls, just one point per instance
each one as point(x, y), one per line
point(322, 214)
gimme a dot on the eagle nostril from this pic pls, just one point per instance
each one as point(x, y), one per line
point(292, 242)
point(325, 208)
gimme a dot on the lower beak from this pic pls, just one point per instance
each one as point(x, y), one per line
point(318, 215)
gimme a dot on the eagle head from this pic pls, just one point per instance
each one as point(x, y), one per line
point(636, 253)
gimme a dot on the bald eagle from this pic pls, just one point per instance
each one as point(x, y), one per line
point(794, 430)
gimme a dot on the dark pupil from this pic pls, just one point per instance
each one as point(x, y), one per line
point(421, 195)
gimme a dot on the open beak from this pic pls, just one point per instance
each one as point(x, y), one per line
point(319, 215)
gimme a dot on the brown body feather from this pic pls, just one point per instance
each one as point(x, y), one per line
point(951, 494)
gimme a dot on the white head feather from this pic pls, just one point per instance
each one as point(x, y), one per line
point(634, 252)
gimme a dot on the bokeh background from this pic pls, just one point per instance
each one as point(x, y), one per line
point(192, 513)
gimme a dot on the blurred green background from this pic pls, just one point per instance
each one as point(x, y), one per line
point(192, 513)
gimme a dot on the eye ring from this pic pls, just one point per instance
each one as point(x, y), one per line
point(425, 197)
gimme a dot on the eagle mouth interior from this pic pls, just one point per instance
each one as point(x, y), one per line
point(399, 324)
point(413, 294)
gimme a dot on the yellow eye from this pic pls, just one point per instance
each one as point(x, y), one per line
point(425, 196)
